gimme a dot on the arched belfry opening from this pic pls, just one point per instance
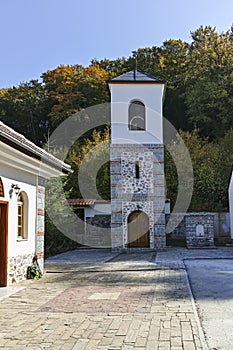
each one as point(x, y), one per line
point(137, 115)
point(138, 230)
point(1, 188)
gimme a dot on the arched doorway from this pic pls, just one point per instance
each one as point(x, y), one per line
point(138, 230)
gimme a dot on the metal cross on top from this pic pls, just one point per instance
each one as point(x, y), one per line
point(135, 58)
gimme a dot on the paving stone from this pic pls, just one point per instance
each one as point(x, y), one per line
point(187, 336)
point(135, 301)
point(123, 329)
point(164, 345)
point(115, 324)
point(152, 345)
point(141, 342)
point(188, 345)
point(80, 344)
point(176, 341)
point(105, 340)
point(131, 336)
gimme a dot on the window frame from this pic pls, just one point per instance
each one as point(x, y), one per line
point(133, 115)
point(22, 216)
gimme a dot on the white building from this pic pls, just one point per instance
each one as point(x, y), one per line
point(23, 168)
point(94, 226)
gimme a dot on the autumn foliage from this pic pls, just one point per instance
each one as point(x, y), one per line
point(199, 103)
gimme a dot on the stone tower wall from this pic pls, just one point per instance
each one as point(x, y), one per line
point(129, 194)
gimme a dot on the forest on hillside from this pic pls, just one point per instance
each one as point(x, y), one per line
point(198, 102)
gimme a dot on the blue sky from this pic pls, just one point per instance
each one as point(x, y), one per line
point(40, 35)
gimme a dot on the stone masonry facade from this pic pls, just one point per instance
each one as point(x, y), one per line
point(130, 193)
point(18, 268)
point(143, 185)
point(40, 225)
point(199, 230)
point(221, 229)
point(98, 232)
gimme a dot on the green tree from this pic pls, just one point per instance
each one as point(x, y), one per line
point(209, 89)
point(90, 162)
point(73, 88)
point(25, 108)
point(211, 167)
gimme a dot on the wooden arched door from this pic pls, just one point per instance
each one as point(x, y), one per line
point(138, 230)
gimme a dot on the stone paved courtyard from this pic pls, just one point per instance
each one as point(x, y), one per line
point(99, 300)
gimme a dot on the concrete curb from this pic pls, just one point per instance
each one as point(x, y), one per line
point(200, 330)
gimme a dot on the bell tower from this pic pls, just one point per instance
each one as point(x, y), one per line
point(137, 162)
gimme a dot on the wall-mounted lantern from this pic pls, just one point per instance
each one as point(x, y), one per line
point(15, 188)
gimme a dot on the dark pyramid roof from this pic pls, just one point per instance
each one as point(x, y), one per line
point(136, 76)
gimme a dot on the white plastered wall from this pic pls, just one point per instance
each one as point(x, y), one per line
point(98, 209)
point(27, 183)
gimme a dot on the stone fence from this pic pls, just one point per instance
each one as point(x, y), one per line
point(221, 228)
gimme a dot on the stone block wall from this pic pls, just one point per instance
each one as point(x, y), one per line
point(18, 268)
point(129, 193)
point(222, 234)
point(98, 232)
point(40, 225)
point(199, 230)
point(143, 185)
point(178, 236)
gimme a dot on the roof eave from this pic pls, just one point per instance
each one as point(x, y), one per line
point(23, 148)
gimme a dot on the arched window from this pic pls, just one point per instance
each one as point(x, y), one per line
point(200, 230)
point(1, 188)
point(22, 202)
point(137, 116)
